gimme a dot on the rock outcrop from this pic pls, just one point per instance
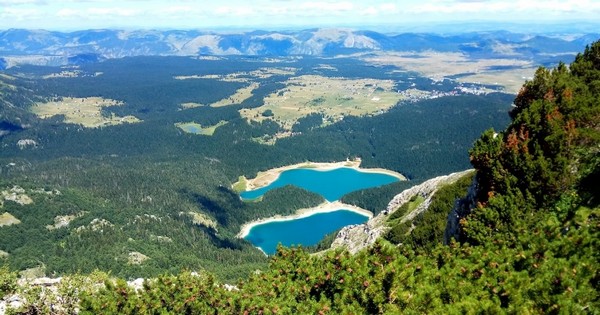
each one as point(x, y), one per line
point(356, 237)
point(24, 143)
point(17, 195)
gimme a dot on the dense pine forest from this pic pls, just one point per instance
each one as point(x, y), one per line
point(527, 240)
point(153, 189)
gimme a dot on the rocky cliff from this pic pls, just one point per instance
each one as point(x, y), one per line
point(356, 237)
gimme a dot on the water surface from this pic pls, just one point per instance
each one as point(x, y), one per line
point(306, 231)
point(331, 184)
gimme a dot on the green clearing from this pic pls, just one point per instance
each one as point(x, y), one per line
point(240, 185)
point(8, 219)
point(404, 209)
point(86, 111)
point(239, 96)
point(333, 97)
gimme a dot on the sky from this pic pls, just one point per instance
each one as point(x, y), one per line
point(64, 15)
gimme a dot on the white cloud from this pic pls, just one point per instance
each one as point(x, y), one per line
point(535, 8)
point(370, 11)
point(329, 7)
point(6, 3)
point(234, 11)
point(194, 13)
point(113, 12)
point(388, 7)
point(65, 13)
point(178, 9)
point(20, 14)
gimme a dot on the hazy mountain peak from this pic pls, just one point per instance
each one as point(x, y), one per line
point(108, 43)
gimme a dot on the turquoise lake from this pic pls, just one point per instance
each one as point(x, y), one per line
point(306, 231)
point(331, 184)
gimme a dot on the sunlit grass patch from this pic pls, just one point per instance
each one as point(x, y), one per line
point(85, 111)
point(332, 97)
point(240, 185)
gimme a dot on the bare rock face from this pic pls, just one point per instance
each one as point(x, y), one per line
point(24, 143)
point(356, 237)
point(16, 194)
point(136, 258)
point(137, 284)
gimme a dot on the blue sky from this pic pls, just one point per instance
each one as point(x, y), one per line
point(275, 14)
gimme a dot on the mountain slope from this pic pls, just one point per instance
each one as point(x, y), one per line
point(530, 243)
point(15, 97)
point(358, 237)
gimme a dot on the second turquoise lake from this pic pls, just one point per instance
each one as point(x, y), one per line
point(303, 231)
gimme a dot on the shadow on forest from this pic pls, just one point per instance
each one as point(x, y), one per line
point(207, 204)
point(233, 244)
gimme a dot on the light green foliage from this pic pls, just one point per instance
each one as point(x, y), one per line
point(8, 281)
point(184, 294)
point(541, 275)
point(59, 298)
point(406, 208)
point(240, 185)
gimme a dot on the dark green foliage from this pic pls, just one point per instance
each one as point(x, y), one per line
point(398, 141)
point(556, 272)
point(530, 246)
point(377, 199)
point(399, 232)
point(12, 94)
point(158, 207)
point(409, 206)
point(431, 224)
point(308, 123)
point(185, 294)
point(129, 174)
point(548, 151)
point(534, 233)
point(268, 113)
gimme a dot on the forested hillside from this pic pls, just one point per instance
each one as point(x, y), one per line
point(104, 193)
point(530, 244)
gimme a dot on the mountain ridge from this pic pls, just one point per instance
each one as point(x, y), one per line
point(59, 48)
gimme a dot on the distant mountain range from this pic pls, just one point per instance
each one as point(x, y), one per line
point(19, 46)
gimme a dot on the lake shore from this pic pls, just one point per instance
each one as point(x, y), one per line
point(265, 178)
point(302, 213)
